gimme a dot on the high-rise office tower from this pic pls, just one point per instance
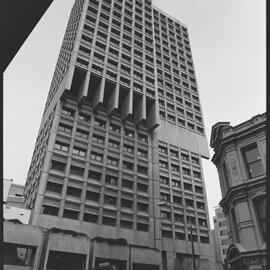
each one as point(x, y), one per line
point(119, 149)
point(221, 236)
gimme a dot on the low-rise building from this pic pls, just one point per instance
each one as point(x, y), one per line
point(13, 207)
point(28, 247)
point(240, 158)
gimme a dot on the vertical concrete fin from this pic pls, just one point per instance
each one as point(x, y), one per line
point(70, 77)
point(114, 100)
point(152, 119)
point(99, 94)
point(140, 110)
point(83, 92)
point(126, 106)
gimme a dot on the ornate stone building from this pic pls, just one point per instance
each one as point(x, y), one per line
point(240, 158)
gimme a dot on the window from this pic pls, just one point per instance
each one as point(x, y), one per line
point(162, 149)
point(197, 174)
point(79, 151)
point(127, 183)
point(58, 166)
point(70, 214)
point(126, 203)
point(174, 153)
point(114, 128)
point(76, 170)
point(165, 215)
point(142, 206)
point(142, 153)
point(186, 171)
point(54, 187)
point(166, 234)
point(110, 200)
point(198, 189)
point(65, 260)
point(185, 157)
point(84, 117)
point(68, 112)
point(126, 224)
point(92, 196)
point(108, 221)
point(113, 144)
point(195, 160)
point(175, 168)
point(61, 146)
point(142, 138)
point(189, 202)
point(177, 200)
point(128, 148)
point(200, 205)
point(179, 218)
point(98, 139)
point(90, 218)
point(94, 175)
point(163, 164)
point(164, 180)
point(202, 222)
point(65, 128)
point(127, 165)
point(15, 254)
point(180, 235)
point(96, 156)
point(176, 183)
point(253, 160)
point(111, 180)
point(112, 161)
point(188, 186)
point(142, 169)
point(72, 191)
point(204, 239)
point(142, 227)
point(128, 132)
point(260, 209)
point(164, 197)
point(142, 187)
point(50, 210)
point(100, 123)
point(81, 133)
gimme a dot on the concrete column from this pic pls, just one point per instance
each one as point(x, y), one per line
point(155, 188)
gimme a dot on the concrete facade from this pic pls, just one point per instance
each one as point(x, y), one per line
point(122, 131)
point(241, 162)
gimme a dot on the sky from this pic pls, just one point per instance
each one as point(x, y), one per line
point(228, 43)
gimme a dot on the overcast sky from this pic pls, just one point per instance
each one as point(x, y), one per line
point(228, 46)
